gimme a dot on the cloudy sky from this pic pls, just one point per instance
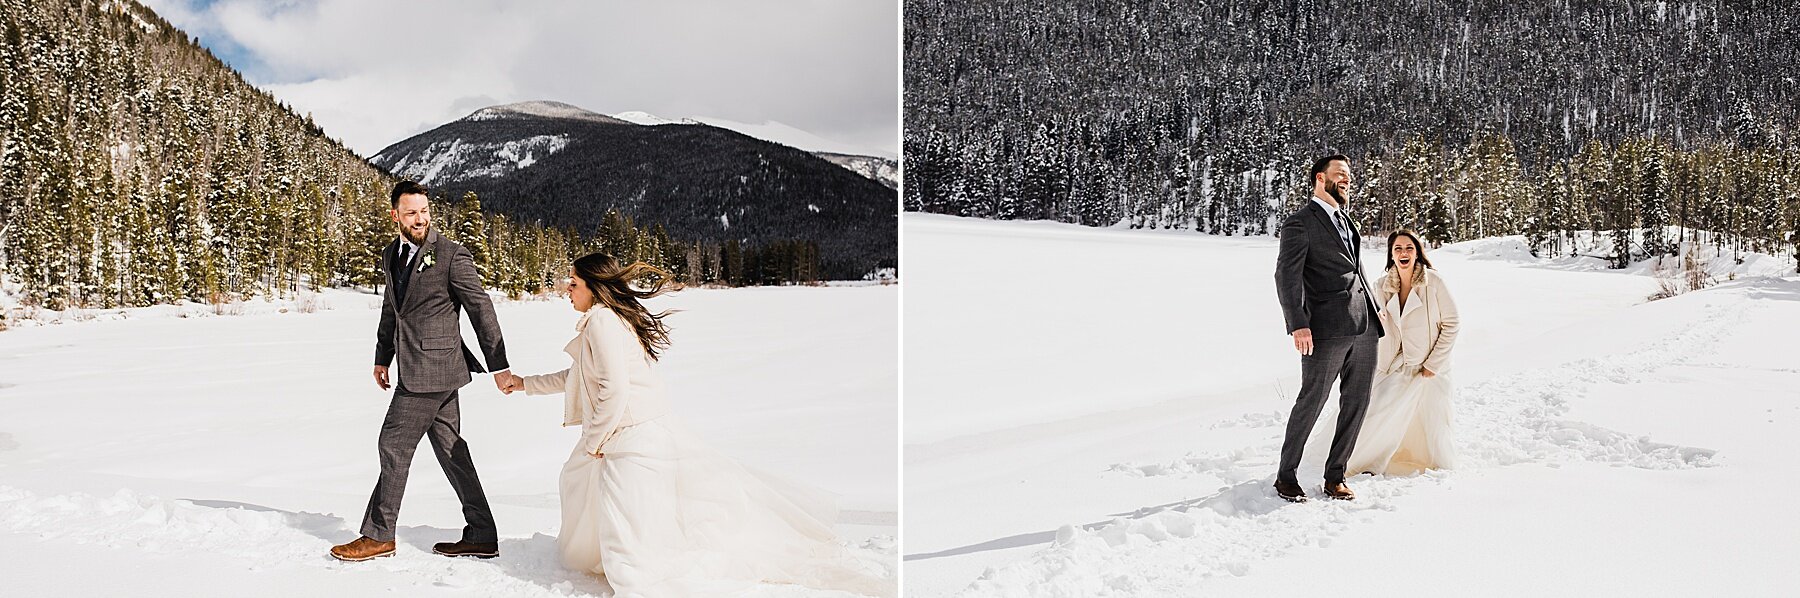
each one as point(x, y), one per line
point(373, 72)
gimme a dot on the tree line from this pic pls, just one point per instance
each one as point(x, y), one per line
point(1492, 118)
point(138, 169)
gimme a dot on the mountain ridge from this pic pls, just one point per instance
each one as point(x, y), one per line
point(554, 163)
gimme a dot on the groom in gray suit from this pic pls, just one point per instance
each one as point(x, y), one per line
point(430, 281)
point(1333, 319)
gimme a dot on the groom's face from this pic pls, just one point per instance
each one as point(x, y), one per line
point(1337, 180)
point(413, 214)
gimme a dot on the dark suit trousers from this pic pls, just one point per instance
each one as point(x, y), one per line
point(436, 417)
point(1351, 362)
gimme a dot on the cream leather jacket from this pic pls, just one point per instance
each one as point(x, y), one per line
point(610, 385)
point(1422, 334)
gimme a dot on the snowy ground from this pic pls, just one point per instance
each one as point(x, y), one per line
point(147, 453)
point(1099, 412)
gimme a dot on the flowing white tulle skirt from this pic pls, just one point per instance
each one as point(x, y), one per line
point(664, 515)
point(1407, 429)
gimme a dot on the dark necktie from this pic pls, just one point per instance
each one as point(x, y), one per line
point(403, 273)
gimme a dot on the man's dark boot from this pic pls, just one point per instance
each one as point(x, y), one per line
point(480, 550)
point(1289, 491)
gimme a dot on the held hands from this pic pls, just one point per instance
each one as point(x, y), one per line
point(1427, 373)
point(1303, 341)
point(507, 382)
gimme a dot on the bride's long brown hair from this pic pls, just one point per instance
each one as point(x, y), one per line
point(611, 284)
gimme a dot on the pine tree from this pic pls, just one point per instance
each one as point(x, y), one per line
point(1653, 207)
point(731, 267)
point(374, 231)
point(1045, 183)
point(616, 236)
point(667, 254)
point(472, 233)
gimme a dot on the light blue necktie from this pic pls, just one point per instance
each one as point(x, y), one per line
point(1343, 231)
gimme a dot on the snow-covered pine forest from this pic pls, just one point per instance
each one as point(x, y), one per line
point(138, 169)
point(1464, 120)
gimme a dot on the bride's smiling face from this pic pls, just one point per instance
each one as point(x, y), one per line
point(580, 296)
point(1403, 252)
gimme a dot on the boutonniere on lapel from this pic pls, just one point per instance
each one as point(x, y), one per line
point(430, 257)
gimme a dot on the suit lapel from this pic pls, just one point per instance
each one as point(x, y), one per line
point(388, 255)
point(1356, 261)
point(1325, 220)
point(430, 244)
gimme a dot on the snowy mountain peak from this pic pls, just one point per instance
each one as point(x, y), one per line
point(540, 109)
point(455, 160)
point(646, 118)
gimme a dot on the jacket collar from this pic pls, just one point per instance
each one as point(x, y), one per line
point(400, 241)
point(1322, 205)
point(429, 246)
point(431, 239)
point(1319, 211)
point(1422, 276)
point(581, 323)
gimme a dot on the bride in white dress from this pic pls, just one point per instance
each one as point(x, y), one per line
point(1408, 427)
point(646, 504)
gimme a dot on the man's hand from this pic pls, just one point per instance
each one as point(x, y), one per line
point(1303, 341)
point(1426, 372)
point(381, 378)
point(506, 382)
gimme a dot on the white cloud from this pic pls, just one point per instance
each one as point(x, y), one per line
point(790, 136)
point(373, 73)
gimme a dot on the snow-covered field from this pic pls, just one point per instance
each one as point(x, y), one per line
point(169, 452)
point(1099, 412)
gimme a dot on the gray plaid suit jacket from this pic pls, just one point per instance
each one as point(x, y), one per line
point(1320, 282)
point(422, 328)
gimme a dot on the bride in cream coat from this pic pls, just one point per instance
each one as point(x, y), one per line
point(646, 504)
point(1408, 427)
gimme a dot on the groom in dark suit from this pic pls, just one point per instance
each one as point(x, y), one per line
point(1332, 316)
point(431, 280)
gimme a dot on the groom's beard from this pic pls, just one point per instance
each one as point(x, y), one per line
point(420, 240)
point(1336, 192)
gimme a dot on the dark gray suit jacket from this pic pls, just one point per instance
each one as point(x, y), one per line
point(1319, 283)
point(423, 327)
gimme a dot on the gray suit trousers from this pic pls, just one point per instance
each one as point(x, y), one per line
point(1350, 361)
point(436, 417)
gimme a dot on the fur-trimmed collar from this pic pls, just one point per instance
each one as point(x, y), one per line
point(1422, 276)
point(581, 323)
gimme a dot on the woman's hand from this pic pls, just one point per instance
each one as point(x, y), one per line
point(1426, 372)
point(597, 455)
